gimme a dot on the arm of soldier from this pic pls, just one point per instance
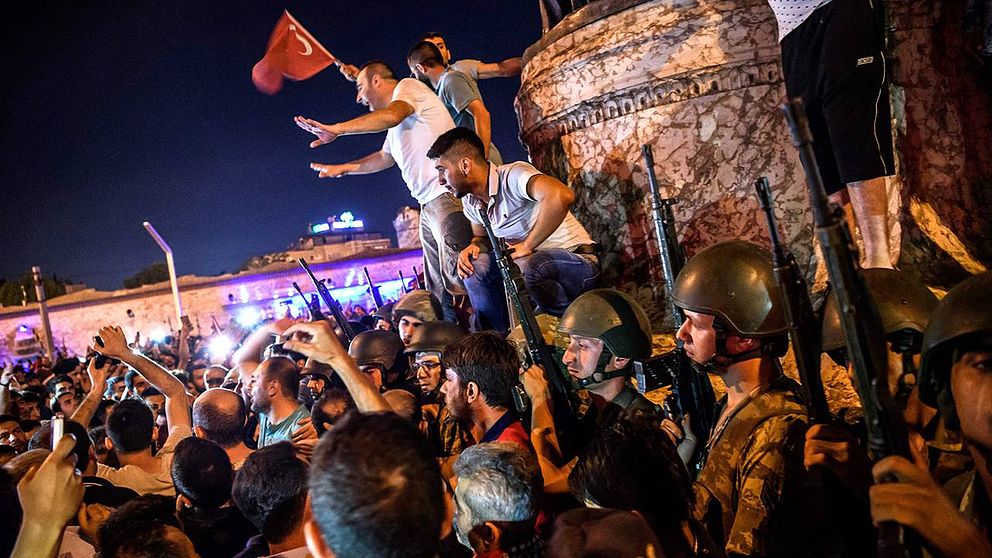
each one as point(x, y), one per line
point(916, 501)
point(98, 384)
point(320, 343)
point(837, 449)
point(507, 68)
point(770, 471)
point(553, 202)
point(543, 435)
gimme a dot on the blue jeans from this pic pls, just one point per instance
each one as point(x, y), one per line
point(554, 278)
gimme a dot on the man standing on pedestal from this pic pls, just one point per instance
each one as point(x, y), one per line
point(412, 117)
point(527, 209)
point(833, 58)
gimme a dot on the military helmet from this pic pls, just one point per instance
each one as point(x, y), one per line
point(902, 300)
point(434, 336)
point(612, 316)
point(420, 304)
point(959, 314)
point(735, 282)
point(376, 347)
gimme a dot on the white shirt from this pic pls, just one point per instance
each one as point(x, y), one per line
point(792, 13)
point(409, 141)
point(512, 211)
point(143, 482)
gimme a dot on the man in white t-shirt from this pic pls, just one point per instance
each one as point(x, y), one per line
point(412, 117)
point(527, 209)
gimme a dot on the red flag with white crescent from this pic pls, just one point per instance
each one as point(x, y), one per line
point(292, 53)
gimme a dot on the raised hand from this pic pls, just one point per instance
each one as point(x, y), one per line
point(98, 376)
point(318, 341)
point(324, 132)
point(332, 171)
point(114, 343)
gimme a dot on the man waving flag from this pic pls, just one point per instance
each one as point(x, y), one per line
point(292, 53)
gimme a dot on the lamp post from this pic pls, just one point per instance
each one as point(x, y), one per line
point(172, 269)
point(39, 291)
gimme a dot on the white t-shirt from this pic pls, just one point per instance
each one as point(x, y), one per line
point(143, 482)
point(513, 212)
point(409, 141)
point(792, 13)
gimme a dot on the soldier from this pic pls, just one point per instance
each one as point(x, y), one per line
point(427, 349)
point(607, 331)
point(955, 377)
point(414, 309)
point(377, 354)
point(752, 469)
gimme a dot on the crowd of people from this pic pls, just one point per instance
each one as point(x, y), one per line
point(414, 431)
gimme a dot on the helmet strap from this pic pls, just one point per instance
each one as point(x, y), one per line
point(601, 375)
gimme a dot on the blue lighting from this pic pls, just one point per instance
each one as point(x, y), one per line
point(320, 227)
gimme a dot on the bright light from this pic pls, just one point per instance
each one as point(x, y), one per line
point(249, 317)
point(221, 346)
point(158, 335)
point(320, 227)
point(23, 328)
point(347, 217)
point(353, 224)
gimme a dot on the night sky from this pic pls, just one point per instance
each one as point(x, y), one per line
point(113, 113)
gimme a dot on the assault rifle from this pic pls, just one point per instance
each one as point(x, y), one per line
point(313, 305)
point(860, 320)
point(537, 349)
point(331, 304)
point(420, 282)
point(373, 289)
point(804, 331)
point(692, 391)
point(403, 286)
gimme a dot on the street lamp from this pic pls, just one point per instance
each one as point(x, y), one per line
point(172, 269)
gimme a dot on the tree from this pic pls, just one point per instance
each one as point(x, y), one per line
point(155, 273)
point(11, 293)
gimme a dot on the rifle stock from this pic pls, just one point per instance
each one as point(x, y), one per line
point(373, 289)
point(860, 320)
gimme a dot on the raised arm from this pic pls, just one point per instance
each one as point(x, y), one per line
point(176, 404)
point(507, 68)
point(98, 385)
point(553, 202)
point(324, 346)
point(483, 123)
point(369, 164)
point(370, 123)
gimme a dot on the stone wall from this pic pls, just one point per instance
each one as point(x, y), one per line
point(701, 82)
point(75, 318)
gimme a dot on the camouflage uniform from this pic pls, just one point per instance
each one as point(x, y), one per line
point(445, 436)
point(748, 492)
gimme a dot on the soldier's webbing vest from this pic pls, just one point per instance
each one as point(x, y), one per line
point(717, 501)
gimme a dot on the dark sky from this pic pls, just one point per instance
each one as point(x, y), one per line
point(112, 113)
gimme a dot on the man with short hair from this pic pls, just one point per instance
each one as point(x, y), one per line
point(204, 477)
point(130, 425)
point(528, 210)
point(376, 490)
point(273, 397)
point(749, 491)
point(497, 500)
point(145, 526)
point(412, 117)
point(11, 433)
point(219, 415)
point(480, 372)
point(475, 69)
point(458, 92)
point(134, 384)
point(213, 376)
point(271, 491)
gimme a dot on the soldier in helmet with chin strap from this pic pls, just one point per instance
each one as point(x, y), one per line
point(607, 331)
point(749, 489)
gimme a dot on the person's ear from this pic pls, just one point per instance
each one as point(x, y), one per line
point(315, 541)
point(471, 391)
point(198, 431)
point(484, 538)
point(466, 165)
point(736, 345)
point(620, 362)
point(183, 502)
point(108, 443)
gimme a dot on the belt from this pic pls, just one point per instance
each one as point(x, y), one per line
point(584, 249)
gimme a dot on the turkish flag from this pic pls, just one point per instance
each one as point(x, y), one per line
point(292, 53)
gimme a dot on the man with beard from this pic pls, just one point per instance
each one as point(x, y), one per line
point(955, 376)
point(273, 397)
point(428, 348)
point(480, 371)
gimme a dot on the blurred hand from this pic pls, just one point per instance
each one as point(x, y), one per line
point(98, 376)
point(114, 343)
point(186, 328)
point(535, 384)
point(51, 492)
point(318, 341)
point(349, 71)
point(91, 517)
point(465, 259)
point(838, 450)
point(519, 250)
point(325, 133)
point(306, 431)
point(915, 500)
point(304, 448)
point(332, 171)
point(8, 374)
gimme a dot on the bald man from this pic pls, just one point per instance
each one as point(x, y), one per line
point(219, 415)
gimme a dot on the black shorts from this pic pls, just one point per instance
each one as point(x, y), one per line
point(835, 62)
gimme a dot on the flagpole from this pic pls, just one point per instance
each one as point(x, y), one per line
point(172, 269)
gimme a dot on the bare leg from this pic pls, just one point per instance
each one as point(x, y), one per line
point(870, 207)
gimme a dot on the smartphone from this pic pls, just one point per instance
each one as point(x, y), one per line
point(58, 429)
